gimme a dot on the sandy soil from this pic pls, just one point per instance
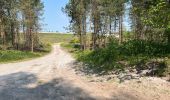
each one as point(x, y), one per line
point(52, 78)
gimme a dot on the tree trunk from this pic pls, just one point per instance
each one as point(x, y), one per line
point(95, 24)
point(12, 34)
point(84, 33)
point(110, 25)
point(80, 34)
point(120, 29)
point(32, 40)
point(17, 38)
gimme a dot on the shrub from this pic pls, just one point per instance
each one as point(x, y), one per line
point(133, 53)
point(103, 59)
point(43, 47)
point(142, 47)
point(75, 40)
point(161, 70)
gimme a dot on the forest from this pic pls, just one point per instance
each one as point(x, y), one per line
point(106, 44)
point(19, 24)
point(19, 29)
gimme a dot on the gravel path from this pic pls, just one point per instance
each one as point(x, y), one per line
point(52, 78)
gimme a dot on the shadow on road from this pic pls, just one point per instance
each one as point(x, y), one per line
point(15, 87)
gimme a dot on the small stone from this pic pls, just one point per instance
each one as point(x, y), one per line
point(133, 71)
point(139, 81)
point(109, 78)
point(92, 81)
point(128, 77)
point(144, 72)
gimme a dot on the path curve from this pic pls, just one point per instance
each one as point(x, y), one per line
point(52, 78)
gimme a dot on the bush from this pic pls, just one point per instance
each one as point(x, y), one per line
point(133, 54)
point(43, 47)
point(77, 45)
point(103, 59)
point(75, 41)
point(1, 47)
point(142, 47)
point(161, 70)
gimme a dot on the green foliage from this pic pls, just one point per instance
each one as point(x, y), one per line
point(133, 53)
point(128, 35)
point(142, 47)
point(162, 69)
point(17, 15)
point(13, 55)
point(137, 61)
point(70, 48)
point(16, 55)
point(158, 14)
point(102, 60)
point(46, 47)
point(46, 39)
point(75, 40)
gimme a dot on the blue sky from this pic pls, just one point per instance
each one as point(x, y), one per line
point(54, 19)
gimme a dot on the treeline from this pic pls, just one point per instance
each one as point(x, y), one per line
point(105, 45)
point(19, 23)
point(103, 21)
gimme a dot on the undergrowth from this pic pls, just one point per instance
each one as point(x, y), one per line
point(138, 54)
point(17, 55)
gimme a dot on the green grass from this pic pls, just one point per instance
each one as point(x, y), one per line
point(168, 62)
point(46, 39)
point(69, 47)
point(55, 37)
point(14, 55)
point(113, 57)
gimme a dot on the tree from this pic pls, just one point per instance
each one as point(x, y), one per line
point(10, 13)
point(105, 15)
point(77, 11)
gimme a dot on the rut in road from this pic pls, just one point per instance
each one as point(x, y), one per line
point(52, 78)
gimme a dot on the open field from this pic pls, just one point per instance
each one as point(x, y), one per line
point(55, 37)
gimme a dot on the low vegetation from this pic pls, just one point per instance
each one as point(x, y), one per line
point(13, 55)
point(109, 46)
point(55, 37)
point(20, 55)
point(133, 54)
point(46, 40)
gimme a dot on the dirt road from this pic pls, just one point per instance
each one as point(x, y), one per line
point(52, 78)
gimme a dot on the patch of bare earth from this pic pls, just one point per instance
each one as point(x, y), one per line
point(53, 78)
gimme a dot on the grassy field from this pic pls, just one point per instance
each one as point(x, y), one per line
point(46, 39)
point(55, 38)
point(14, 55)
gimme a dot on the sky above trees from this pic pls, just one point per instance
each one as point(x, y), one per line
point(54, 19)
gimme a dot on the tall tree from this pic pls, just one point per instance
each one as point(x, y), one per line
point(11, 12)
